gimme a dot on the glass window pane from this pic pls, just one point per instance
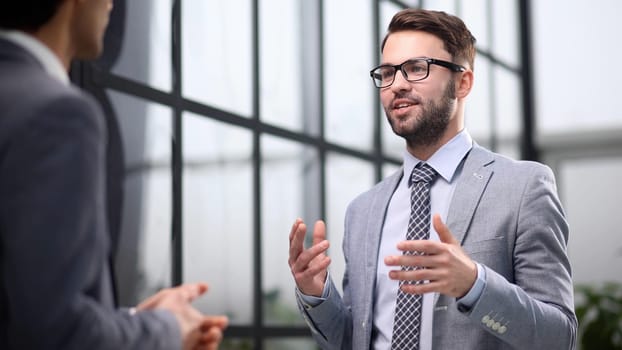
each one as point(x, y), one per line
point(290, 187)
point(143, 260)
point(412, 3)
point(389, 168)
point(448, 6)
point(392, 145)
point(348, 57)
point(387, 11)
point(593, 212)
point(478, 112)
point(146, 46)
point(236, 344)
point(290, 343)
point(509, 108)
point(509, 147)
point(584, 101)
point(218, 215)
point(346, 178)
point(505, 31)
point(281, 70)
point(475, 14)
point(217, 56)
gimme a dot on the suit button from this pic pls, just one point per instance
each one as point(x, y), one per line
point(363, 324)
point(485, 319)
point(490, 323)
point(496, 326)
point(502, 329)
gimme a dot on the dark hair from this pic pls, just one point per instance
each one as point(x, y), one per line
point(457, 38)
point(27, 14)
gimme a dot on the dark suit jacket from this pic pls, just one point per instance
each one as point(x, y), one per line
point(55, 280)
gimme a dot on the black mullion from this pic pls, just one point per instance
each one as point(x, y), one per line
point(322, 150)
point(378, 151)
point(176, 144)
point(133, 88)
point(402, 4)
point(493, 59)
point(257, 327)
point(492, 91)
point(528, 148)
point(234, 331)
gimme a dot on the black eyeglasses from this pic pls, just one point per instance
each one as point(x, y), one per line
point(413, 70)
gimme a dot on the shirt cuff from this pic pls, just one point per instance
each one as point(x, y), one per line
point(309, 301)
point(468, 301)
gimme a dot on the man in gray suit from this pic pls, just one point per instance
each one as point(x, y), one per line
point(493, 274)
point(56, 288)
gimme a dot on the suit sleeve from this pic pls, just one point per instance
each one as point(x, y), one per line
point(331, 321)
point(55, 240)
point(535, 311)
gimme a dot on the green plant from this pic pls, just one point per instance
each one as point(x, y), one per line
point(599, 312)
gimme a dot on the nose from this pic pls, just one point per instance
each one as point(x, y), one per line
point(400, 82)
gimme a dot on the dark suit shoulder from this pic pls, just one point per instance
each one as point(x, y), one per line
point(29, 96)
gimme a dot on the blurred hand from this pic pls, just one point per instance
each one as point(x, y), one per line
point(197, 331)
point(309, 266)
point(212, 328)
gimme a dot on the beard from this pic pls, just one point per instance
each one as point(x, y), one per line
point(429, 126)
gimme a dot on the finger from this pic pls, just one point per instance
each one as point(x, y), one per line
point(422, 288)
point(319, 232)
point(191, 291)
point(151, 302)
point(419, 274)
point(319, 265)
point(296, 244)
point(294, 228)
point(423, 260)
point(420, 247)
point(220, 322)
point(443, 231)
point(212, 336)
point(305, 258)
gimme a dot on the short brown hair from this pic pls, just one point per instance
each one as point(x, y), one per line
point(456, 37)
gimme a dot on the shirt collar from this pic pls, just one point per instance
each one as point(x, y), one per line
point(50, 62)
point(446, 159)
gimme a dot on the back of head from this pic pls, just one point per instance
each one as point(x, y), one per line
point(457, 38)
point(26, 15)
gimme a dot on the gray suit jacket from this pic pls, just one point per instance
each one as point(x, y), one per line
point(507, 216)
point(55, 281)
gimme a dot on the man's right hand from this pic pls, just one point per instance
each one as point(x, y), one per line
point(309, 266)
point(197, 331)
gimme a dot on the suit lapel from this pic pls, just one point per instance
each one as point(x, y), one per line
point(469, 189)
point(375, 221)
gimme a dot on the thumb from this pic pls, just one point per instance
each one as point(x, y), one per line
point(443, 231)
point(319, 232)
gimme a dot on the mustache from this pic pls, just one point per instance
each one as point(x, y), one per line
point(405, 96)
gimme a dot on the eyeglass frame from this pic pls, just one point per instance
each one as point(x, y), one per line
point(456, 68)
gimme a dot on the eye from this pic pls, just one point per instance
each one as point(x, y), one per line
point(386, 73)
point(415, 68)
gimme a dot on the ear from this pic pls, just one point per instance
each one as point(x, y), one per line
point(464, 84)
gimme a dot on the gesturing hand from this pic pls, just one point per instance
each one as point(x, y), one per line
point(444, 264)
point(309, 266)
point(197, 331)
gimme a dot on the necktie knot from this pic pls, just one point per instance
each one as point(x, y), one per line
point(423, 173)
